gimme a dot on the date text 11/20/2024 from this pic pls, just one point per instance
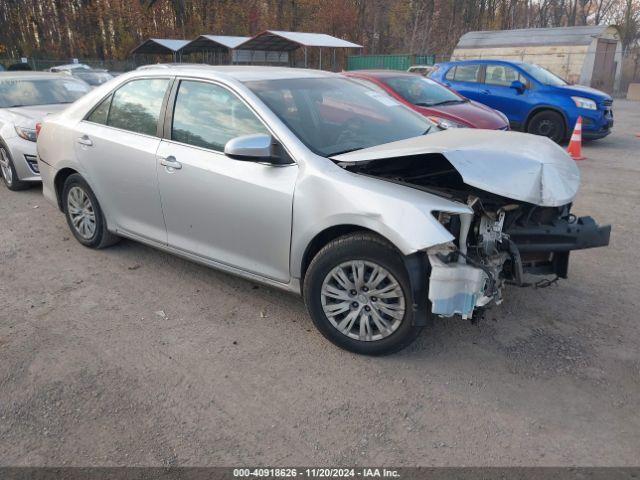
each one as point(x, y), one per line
point(316, 472)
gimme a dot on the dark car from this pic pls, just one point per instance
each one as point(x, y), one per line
point(19, 67)
point(447, 108)
point(534, 99)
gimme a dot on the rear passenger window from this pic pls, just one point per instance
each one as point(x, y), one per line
point(207, 115)
point(467, 73)
point(136, 105)
point(101, 112)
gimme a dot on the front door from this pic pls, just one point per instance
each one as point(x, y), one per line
point(231, 211)
point(117, 145)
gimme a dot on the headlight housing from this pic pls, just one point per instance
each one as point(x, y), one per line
point(26, 133)
point(585, 103)
point(445, 123)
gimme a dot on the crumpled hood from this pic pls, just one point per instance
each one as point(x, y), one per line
point(515, 165)
point(29, 116)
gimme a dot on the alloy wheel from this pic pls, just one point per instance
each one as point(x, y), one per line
point(5, 167)
point(81, 212)
point(363, 300)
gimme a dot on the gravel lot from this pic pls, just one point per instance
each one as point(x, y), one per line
point(130, 356)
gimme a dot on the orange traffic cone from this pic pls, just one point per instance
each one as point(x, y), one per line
point(575, 144)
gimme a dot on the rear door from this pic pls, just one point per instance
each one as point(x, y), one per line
point(237, 213)
point(500, 95)
point(466, 78)
point(116, 145)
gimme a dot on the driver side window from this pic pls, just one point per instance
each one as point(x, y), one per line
point(207, 115)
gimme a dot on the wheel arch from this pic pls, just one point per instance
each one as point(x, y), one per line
point(58, 182)
point(329, 234)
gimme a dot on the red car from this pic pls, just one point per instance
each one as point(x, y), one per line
point(440, 104)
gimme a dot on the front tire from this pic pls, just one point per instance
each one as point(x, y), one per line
point(357, 292)
point(84, 215)
point(548, 124)
point(8, 171)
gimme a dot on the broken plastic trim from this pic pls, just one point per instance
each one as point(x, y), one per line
point(455, 287)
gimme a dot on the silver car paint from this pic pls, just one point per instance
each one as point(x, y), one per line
point(322, 194)
point(26, 117)
point(121, 169)
point(512, 164)
point(236, 212)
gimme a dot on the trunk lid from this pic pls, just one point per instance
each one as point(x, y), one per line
point(29, 116)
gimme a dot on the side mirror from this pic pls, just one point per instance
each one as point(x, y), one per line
point(258, 147)
point(518, 86)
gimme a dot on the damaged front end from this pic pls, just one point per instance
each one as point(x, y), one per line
point(468, 273)
point(504, 243)
point(521, 231)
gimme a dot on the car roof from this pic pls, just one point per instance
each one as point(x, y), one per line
point(484, 61)
point(71, 66)
point(241, 73)
point(381, 73)
point(31, 75)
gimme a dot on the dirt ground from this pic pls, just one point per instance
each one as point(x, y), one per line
point(130, 356)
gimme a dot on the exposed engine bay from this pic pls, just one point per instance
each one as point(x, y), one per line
point(504, 241)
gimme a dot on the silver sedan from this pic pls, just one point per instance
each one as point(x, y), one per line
point(25, 98)
point(310, 182)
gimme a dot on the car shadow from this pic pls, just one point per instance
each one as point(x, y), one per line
point(526, 335)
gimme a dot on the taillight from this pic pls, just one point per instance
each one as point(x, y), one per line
point(38, 127)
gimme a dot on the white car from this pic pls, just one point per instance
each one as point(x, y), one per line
point(313, 183)
point(25, 98)
point(93, 76)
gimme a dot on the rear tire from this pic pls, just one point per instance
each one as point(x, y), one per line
point(357, 292)
point(84, 215)
point(8, 171)
point(548, 124)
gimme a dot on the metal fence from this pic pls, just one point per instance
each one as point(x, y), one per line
point(388, 62)
point(45, 64)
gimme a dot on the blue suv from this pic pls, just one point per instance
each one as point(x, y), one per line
point(534, 99)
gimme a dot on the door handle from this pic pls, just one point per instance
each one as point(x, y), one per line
point(171, 162)
point(486, 92)
point(85, 140)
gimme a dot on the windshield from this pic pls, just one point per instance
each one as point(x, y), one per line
point(335, 115)
point(422, 91)
point(542, 75)
point(26, 93)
